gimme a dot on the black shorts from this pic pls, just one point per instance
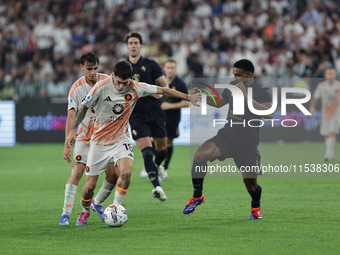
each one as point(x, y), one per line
point(172, 122)
point(247, 158)
point(148, 122)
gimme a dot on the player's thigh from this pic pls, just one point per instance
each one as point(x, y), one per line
point(112, 173)
point(208, 151)
point(80, 151)
point(157, 122)
point(123, 156)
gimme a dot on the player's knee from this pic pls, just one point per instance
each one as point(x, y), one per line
point(251, 188)
point(77, 174)
point(200, 157)
point(125, 176)
point(147, 152)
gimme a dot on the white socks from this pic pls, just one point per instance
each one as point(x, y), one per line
point(104, 192)
point(70, 192)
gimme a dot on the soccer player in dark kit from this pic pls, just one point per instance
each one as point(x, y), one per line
point(172, 107)
point(148, 119)
point(237, 141)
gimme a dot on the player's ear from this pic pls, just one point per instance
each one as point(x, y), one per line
point(82, 67)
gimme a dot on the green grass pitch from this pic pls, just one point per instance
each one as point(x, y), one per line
point(300, 215)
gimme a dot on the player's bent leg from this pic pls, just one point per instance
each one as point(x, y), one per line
point(87, 194)
point(160, 154)
point(124, 180)
point(143, 143)
point(255, 192)
point(112, 174)
point(70, 191)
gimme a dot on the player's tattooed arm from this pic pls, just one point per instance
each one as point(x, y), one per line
point(79, 117)
point(71, 137)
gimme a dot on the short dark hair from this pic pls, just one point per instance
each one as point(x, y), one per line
point(89, 57)
point(134, 34)
point(245, 65)
point(123, 69)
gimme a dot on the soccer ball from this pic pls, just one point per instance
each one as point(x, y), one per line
point(115, 215)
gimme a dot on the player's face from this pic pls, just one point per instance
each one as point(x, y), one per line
point(330, 75)
point(134, 47)
point(90, 71)
point(120, 84)
point(170, 69)
point(241, 76)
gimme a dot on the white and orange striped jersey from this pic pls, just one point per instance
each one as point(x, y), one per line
point(330, 99)
point(113, 108)
point(77, 94)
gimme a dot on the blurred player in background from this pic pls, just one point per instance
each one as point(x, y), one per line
point(115, 97)
point(329, 92)
point(172, 107)
point(148, 119)
point(238, 142)
point(89, 63)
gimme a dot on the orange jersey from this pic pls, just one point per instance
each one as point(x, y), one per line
point(77, 94)
point(113, 108)
point(330, 99)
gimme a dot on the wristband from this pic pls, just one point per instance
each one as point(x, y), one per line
point(187, 98)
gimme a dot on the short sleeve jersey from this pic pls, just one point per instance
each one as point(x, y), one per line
point(146, 70)
point(113, 108)
point(330, 99)
point(179, 85)
point(77, 94)
point(244, 136)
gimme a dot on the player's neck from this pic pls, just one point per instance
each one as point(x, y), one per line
point(134, 60)
point(170, 79)
point(89, 82)
point(251, 81)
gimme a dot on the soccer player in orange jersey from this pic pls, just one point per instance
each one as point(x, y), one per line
point(115, 97)
point(329, 92)
point(89, 62)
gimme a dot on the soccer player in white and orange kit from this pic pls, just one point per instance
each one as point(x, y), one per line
point(114, 97)
point(329, 92)
point(89, 62)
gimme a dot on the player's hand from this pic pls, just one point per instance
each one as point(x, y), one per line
point(165, 106)
point(194, 98)
point(157, 96)
point(67, 154)
point(241, 86)
point(195, 90)
point(70, 139)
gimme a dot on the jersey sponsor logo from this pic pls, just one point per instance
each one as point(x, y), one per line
point(118, 108)
point(87, 98)
point(78, 157)
point(87, 169)
point(136, 77)
point(128, 97)
point(107, 99)
point(143, 68)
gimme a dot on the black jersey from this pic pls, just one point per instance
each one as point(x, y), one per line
point(176, 84)
point(146, 70)
point(238, 130)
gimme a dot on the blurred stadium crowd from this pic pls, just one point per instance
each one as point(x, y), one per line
point(41, 40)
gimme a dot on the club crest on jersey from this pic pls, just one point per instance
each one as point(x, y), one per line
point(128, 97)
point(118, 108)
point(87, 169)
point(78, 158)
point(143, 68)
point(136, 77)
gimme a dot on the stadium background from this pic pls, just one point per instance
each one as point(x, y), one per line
point(290, 42)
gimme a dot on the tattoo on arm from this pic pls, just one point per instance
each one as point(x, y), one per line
point(79, 117)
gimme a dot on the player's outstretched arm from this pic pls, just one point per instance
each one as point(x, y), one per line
point(194, 98)
point(312, 105)
point(71, 137)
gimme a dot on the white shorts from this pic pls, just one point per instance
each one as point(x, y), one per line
point(80, 152)
point(329, 126)
point(100, 156)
